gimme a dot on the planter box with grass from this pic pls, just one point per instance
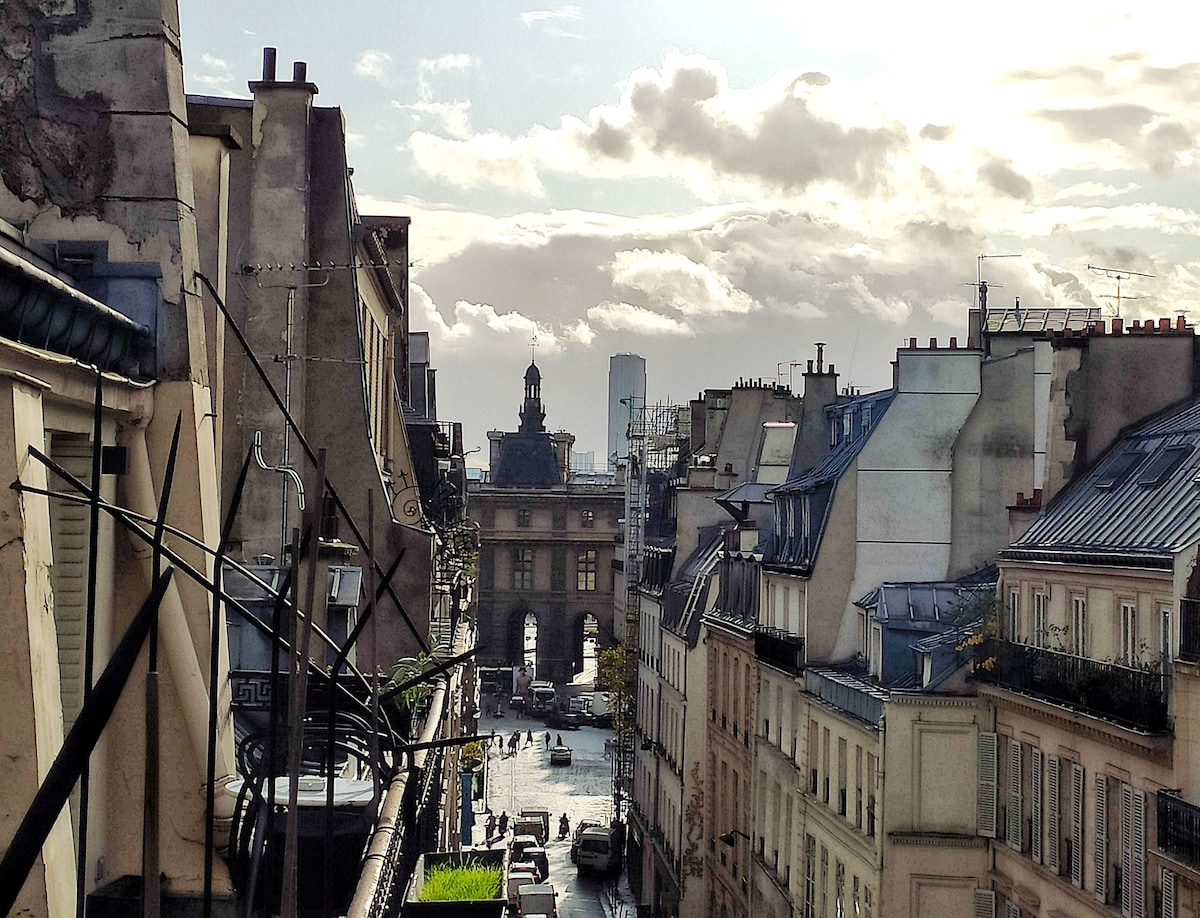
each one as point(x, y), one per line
point(458, 883)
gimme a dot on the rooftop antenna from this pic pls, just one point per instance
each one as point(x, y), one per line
point(980, 285)
point(1117, 274)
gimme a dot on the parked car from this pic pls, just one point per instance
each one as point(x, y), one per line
point(537, 857)
point(579, 827)
point(519, 845)
point(599, 851)
point(529, 867)
point(515, 882)
point(560, 755)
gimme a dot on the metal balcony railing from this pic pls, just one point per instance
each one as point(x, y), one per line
point(1178, 828)
point(1130, 697)
point(1189, 630)
point(780, 649)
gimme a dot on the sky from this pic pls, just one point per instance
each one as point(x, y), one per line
point(719, 186)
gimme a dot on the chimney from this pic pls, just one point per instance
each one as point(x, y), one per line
point(300, 72)
point(1118, 325)
point(268, 65)
point(1164, 324)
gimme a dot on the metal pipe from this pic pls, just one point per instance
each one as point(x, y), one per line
point(308, 450)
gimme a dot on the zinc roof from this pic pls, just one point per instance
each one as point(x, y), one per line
point(1142, 498)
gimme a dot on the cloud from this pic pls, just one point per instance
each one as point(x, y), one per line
point(672, 280)
point(859, 297)
point(215, 75)
point(374, 64)
point(453, 118)
point(1001, 177)
point(568, 13)
point(684, 121)
point(640, 321)
point(482, 159)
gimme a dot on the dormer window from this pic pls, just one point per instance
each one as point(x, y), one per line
point(866, 417)
point(847, 423)
point(833, 432)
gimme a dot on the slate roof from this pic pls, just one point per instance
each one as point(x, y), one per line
point(1139, 504)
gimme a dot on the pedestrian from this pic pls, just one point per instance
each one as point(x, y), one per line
point(491, 826)
point(547, 739)
point(503, 822)
point(528, 737)
point(513, 741)
point(564, 827)
point(558, 739)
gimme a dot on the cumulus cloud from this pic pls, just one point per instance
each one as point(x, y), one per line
point(672, 280)
point(482, 159)
point(636, 319)
point(1004, 179)
point(214, 75)
point(373, 64)
point(684, 120)
point(453, 118)
point(858, 296)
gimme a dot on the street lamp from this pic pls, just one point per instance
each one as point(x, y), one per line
point(727, 838)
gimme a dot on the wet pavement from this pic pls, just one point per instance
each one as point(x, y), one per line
point(582, 790)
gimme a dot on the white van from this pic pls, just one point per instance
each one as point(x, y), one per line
point(537, 899)
point(599, 851)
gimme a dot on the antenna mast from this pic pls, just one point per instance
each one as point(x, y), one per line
point(1117, 274)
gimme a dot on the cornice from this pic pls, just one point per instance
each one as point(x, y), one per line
point(937, 839)
point(1155, 748)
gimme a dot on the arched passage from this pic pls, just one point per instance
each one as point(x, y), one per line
point(584, 645)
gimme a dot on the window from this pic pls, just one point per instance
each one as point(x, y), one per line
point(833, 432)
point(847, 424)
point(1014, 615)
point(810, 876)
point(524, 518)
point(839, 889)
point(1079, 625)
point(1128, 647)
point(522, 569)
point(587, 518)
point(1164, 636)
point(1117, 469)
point(866, 417)
point(1160, 468)
point(1040, 638)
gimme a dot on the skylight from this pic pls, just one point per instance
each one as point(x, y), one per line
point(1160, 468)
point(1118, 469)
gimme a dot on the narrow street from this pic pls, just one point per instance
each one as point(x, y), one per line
point(582, 790)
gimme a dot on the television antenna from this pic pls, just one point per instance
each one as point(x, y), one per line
point(1117, 274)
point(981, 286)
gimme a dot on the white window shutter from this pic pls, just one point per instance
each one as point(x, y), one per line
point(1138, 883)
point(985, 904)
point(1012, 827)
point(1011, 909)
point(1077, 786)
point(1053, 837)
point(985, 815)
point(1126, 849)
point(1035, 806)
point(1168, 893)
point(1100, 849)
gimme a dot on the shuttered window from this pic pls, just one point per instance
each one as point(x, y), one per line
point(985, 904)
point(1053, 834)
point(1168, 893)
point(1035, 806)
point(1126, 849)
point(1012, 822)
point(1077, 824)
point(1138, 880)
point(985, 816)
point(1100, 848)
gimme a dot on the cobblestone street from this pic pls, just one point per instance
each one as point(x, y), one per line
point(582, 790)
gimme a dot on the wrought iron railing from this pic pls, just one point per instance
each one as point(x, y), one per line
point(1189, 630)
point(1178, 828)
point(1131, 697)
point(780, 649)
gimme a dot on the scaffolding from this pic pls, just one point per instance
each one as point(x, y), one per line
point(657, 436)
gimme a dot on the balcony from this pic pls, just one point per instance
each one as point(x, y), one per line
point(1129, 697)
point(1189, 630)
point(1178, 829)
point(780, 649)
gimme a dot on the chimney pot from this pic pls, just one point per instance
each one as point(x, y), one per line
point(1118, 326)
point(831, 369)
point(299, 72)
point(933, 342)
point(953, 344)
point(268, 65)
point(1037, 497)
point(1020, 498)
point(1180, 323)
point(810, 366)
point(1164, 324)
point(912, 343)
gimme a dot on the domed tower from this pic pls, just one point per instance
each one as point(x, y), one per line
point(533, 415)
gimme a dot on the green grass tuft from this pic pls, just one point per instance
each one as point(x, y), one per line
point(472, 880)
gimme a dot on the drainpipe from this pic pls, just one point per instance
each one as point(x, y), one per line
point(182, 662)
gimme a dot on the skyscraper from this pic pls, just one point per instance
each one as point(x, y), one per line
point(626, 380)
